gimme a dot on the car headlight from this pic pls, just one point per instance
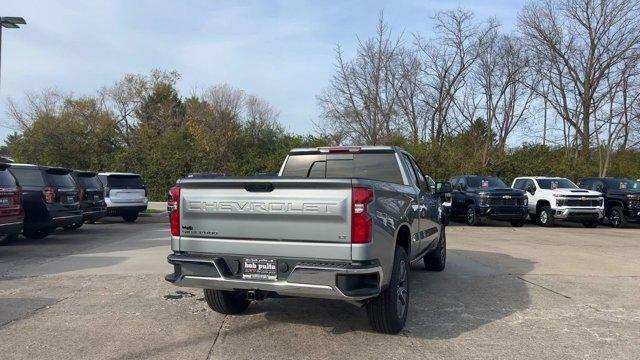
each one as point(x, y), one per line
point(558, 195)
point(560, 202)
point(483, 193)
point(526, 201)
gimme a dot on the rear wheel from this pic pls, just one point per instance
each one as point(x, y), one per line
point(545, 216)
point(387, 312)
point(130, 217)
point(590, 224)
point(7, 238)
point(437, 259)
point(226, 302)
point(616, 217)
point(471, 217)
point(73, 226)
point(35, 234)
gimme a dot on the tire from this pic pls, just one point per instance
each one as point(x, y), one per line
point(35, 234)
point(471, 217)
point(130, 217)
point(590, 224)
point(387, 312)
point(617, 218)
point(7, 238)
point(226, 302)
point(517, 223)
point(545, 217)
point(73, 226)
point(436, 260)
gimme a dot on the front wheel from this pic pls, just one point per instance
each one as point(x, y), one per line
point(387, 312)
point(471, 216)
point(437, 259)
point(226, 302)
point(616, 217)
point(130, 217)
point(545, 217)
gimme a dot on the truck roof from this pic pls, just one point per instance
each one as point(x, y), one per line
point(351, 149)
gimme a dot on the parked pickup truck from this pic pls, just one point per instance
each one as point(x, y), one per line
point(553, 198)
point(337, 223)
point(487, 197)
point(621, 198)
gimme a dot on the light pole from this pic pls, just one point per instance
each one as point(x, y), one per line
point(9, 22)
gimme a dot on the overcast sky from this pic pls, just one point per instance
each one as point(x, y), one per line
point(282, 51)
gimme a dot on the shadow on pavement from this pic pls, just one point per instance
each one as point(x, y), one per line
point(467, 295)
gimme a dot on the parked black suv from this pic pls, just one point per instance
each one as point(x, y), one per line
point(91, 197)
point(479, 197)
point(49, 196)
point(621, 198)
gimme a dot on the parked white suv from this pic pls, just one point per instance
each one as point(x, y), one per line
point(125, 194)
point(555, 198)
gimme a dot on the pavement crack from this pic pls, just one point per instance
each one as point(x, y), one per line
point(544, 287)
point(215, 340)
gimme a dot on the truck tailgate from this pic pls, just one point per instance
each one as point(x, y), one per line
point(305, 218)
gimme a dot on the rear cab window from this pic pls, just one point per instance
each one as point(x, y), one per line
point(59, 178)
point(88, 181)
point(28, 177)
point(6, 179)
point(124, 182)
point(374, 166)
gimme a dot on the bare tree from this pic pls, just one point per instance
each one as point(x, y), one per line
point(580, 40)
point(360, 101)
point(447, 60)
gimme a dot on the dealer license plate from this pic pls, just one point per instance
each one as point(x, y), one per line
point(260, 269)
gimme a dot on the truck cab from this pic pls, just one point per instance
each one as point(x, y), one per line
point(621, 198)
point(553, 199)
point(487, 197)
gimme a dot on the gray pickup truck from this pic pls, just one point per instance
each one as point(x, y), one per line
point(336, 223)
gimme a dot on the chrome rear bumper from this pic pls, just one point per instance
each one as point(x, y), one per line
point(346, 282)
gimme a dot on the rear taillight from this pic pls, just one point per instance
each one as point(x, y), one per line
point(360, 221)
point(49, 195)
point(173, 205)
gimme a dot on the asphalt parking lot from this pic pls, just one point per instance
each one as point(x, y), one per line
point(531, 292)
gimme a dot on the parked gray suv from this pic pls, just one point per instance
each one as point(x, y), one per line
point(337, 223)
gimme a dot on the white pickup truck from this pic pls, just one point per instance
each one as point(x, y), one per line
point(555, 198)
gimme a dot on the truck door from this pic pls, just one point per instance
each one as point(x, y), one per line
point(458, 198)
point(429, 203)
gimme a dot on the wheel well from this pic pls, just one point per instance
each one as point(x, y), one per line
point(404, 238)
point(541, 203)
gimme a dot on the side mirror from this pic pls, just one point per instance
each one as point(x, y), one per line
point(443, 187)
point(531, 190)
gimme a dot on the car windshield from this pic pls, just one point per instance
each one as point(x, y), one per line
point(89, 182)
point(559, 183)
point(622, 184)
point(485, 182)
